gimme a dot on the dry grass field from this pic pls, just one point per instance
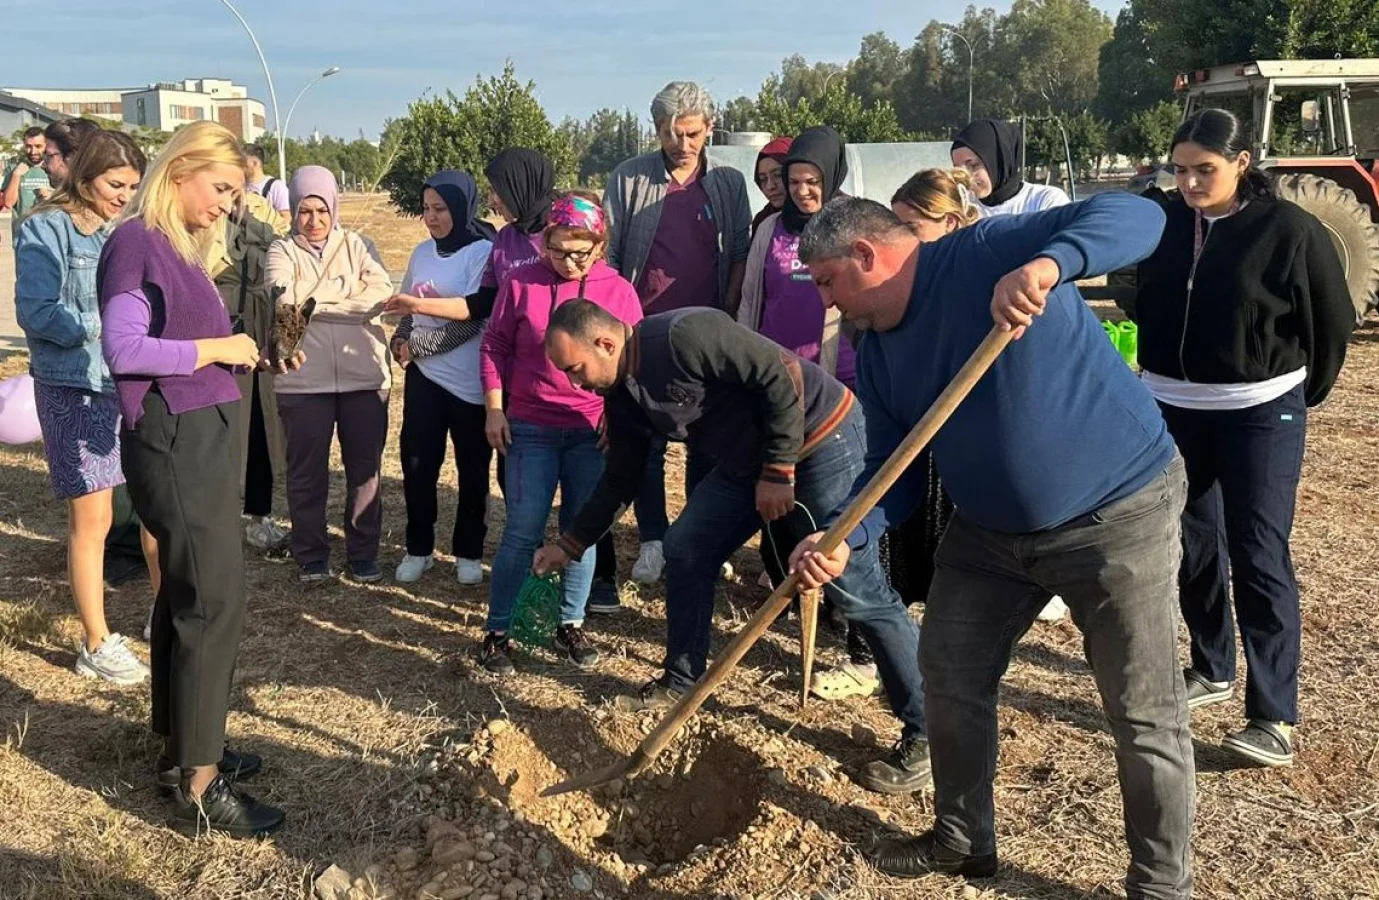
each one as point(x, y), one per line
point(418, 777)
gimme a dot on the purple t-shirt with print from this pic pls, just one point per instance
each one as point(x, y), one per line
point(682, 265)
point(792, 313)
point(512, 249)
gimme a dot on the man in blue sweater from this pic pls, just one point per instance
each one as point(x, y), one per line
point(1065, 481)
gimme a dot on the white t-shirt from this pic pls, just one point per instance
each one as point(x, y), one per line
point(456, 275)
point(277, 194)
point(1030, 198)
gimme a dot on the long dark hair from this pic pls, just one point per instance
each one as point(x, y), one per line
point(101, 152)
point(1219, 131)
point(69, 134)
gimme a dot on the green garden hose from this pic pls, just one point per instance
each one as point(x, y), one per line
point(538, 610)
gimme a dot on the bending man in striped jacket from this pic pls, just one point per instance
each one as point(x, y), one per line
point(786, 440)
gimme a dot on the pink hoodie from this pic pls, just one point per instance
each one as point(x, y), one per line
point(513, 353)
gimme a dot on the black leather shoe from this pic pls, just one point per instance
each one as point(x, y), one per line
point(905, 771)
point(223, 807)
point(919, 856)
point(234, 766)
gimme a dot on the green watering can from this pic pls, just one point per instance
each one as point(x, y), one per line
point(1125, 337)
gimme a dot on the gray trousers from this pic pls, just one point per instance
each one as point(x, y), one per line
point(310, 422)
point(1117, 568)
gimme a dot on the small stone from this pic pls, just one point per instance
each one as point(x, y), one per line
point(544, 857)
point(332, 884)
point(863, 736)
point(595, 828)
point(449, 852)
point(970, 893)
point(458, 892)
point(777, 777)
point(406, 859)
point(615, 787)
point(581, 881)
point(514, 889)
point(665, 782)
point(819, 774)
point(498, 726)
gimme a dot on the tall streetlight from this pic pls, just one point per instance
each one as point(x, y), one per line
point(282, 133)
point(272, 94)
point(970, 57)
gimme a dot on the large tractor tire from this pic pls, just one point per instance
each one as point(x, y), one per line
point(1348, 222)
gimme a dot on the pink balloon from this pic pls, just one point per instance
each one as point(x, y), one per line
point(18, 413)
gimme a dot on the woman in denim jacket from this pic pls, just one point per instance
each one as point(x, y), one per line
point(56, 251)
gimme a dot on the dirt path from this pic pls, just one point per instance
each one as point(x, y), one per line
point(399, 764)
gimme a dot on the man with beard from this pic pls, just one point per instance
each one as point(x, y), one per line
point(25, 183)
point(781, 439)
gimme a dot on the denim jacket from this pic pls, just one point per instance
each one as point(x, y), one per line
point(55, 301)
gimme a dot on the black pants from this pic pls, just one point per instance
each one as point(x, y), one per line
point(1243, 468)
point(183, 476)
point(430, 414)
point(258, 468)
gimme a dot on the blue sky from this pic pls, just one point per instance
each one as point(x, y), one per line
point(582, 56)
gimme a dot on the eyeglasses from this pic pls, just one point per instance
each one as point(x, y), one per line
point(577, 257)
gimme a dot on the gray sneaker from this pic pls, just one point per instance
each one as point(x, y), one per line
point(113, 662)
point(1202, 691)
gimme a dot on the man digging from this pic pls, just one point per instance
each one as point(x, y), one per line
point(786, 441)
point(1065, 481)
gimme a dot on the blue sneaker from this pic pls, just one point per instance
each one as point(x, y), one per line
point(603, 598)
point(314, 573)
point(365, 571)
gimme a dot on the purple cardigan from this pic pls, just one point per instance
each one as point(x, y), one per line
point(182, 305)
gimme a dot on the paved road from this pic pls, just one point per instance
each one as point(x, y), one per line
point(11, 338)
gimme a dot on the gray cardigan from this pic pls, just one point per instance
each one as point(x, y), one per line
point(632, 205)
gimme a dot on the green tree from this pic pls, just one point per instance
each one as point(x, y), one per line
point(1148, 133)
point(739, 114)
point(450, 132)
point(838, 107)
point(1041, 55)
point(875, 74)
point(612, 137)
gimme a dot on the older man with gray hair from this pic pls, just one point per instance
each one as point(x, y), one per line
point(678, 229)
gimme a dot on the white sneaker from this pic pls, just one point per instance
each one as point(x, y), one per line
point(1054, 611)
point(726, 571)
point(468, 571)
point(113, 662)
point(265, 534)
point(650, 562)
point(411, 568)
point(148, 625)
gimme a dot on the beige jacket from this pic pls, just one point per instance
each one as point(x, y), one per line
point(754, 297)
point(345, 345)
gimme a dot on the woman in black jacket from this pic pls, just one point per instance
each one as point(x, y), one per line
point(1243, 316)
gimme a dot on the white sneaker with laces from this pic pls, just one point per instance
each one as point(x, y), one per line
point(113, 661)
point(412, 568)
point(265, 534)
point(650, 563)
point(468, 571)
point(726, 571)
point(1055, 610)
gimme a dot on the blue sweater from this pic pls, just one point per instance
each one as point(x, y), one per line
point(1059, 426)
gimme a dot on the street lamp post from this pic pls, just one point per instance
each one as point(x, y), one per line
point(282, 133)
point(272, 94)
point(970, 58)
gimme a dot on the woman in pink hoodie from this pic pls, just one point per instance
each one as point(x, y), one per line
point(549, 432)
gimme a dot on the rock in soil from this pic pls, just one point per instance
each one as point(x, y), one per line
point(333, 884)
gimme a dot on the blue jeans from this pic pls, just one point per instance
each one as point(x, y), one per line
point(650, 504)
point(539, 459)
point(721, 516)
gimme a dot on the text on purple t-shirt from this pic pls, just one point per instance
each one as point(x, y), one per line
point(512, 249)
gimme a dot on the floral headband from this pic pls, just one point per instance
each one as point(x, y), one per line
point(576, 212)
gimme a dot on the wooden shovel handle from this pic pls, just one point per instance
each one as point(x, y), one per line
point(900, 460)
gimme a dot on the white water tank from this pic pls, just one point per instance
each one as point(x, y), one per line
point(756, 139)
point(875, 171)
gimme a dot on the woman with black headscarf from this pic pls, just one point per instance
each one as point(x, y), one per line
point(991, 150)
point(443, 397)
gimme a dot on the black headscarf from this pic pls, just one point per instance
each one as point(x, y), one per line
point(822, 147)
point(525, 181)
point(998, 144)
point(461, 196)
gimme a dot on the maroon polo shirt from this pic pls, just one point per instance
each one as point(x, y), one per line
point(682, 266)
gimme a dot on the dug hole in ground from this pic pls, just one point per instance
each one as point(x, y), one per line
point(407, 774)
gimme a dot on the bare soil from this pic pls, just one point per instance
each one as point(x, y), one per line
point(416, 776)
